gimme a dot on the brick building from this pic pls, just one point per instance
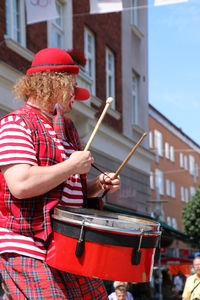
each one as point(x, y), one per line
point(115, 46)
point(174, 171)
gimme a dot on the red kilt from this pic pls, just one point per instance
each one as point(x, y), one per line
point(29, 278)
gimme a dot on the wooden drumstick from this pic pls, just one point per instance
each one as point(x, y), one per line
point(108, 102)
point(125, 161)
point(128, 157)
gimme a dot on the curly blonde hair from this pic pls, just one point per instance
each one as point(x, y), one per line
point(45, 88)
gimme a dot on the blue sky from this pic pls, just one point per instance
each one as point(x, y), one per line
point(174, 64)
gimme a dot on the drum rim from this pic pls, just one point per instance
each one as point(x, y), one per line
point(59, 212)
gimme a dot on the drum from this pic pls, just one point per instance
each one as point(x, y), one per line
point(101, 244)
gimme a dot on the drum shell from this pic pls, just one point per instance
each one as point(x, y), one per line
point(101, 260)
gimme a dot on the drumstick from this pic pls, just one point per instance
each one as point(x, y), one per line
point(125, 161)
point(108, 102)
point(128, 157)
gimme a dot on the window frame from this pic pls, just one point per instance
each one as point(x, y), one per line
point(14, 31)
point(134, 12)
point(55, 27)
point(172, 153)
point(173, 189)
point(191, 164)
point(90, 57)
point(110, 76)
point(158, 141)
point(135, 98)
point(150, 139)
point(167, 150)
point(168, 187)
point(159, 181)
point(151, 179)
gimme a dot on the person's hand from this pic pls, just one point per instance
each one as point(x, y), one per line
point(107, 183)
point(81, 161)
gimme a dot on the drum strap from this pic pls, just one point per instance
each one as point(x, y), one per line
point(105, 237)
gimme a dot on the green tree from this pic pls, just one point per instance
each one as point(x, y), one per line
point(191, 218)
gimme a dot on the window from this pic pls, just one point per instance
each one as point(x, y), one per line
point(158, 142)
point(173, 189)
point(181, 160)
point(185, 162)
point(56, 38)
point(159, 181)
point(172, 153)
point(186, 195)
point(197, 170)
point(174, 223)
point(150, 139)
point(168, 187)
point(191, 165)
point(110, 75)
point(15, 21)
point(134, 12)
point(151, 180)
point(167, 150)
point(182, 194)
point(135, 98)
point(89, 49)
point(169, 222)
point(192, 191)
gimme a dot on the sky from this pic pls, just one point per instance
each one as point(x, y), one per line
point(174, 64)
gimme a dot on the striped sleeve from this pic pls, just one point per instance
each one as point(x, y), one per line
point(16, 144)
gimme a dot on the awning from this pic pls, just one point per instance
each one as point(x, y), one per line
point(175, 261)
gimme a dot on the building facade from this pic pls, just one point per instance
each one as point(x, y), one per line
point(115, 46)
point(174, 171)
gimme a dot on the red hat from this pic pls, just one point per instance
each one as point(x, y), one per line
point(57, 60)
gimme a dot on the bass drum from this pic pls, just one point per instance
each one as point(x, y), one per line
point(101, 244)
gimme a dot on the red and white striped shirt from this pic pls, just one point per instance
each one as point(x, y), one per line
point(16, 146)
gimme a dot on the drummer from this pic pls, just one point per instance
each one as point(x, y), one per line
point(42, 164)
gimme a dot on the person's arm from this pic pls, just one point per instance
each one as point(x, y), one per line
point(25, 181)
point(101, 183)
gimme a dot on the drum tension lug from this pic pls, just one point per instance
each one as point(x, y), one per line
point(80, 246)
point(136, 254)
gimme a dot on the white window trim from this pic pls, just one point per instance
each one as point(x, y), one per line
point(17, 48)
point(150, 139)
point(110, 73)
point(67, 23)
point(168, 187)
point(158, 141)
point(186, 195)
point(91, 56)
point(181, 159)
point(182, 194)
point(185, 162)
point(191, 164)
point(174, 223)
point(135, 94)
point(173, 189)
point(134, 13)
point(159, 181)
point(22, 25)
point(192, 191)
point(172, 156)
point(167, 150)
point(53, 26)
point(152, 180)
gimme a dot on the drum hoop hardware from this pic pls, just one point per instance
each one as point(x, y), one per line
point(80, 246)
point(136, 254)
